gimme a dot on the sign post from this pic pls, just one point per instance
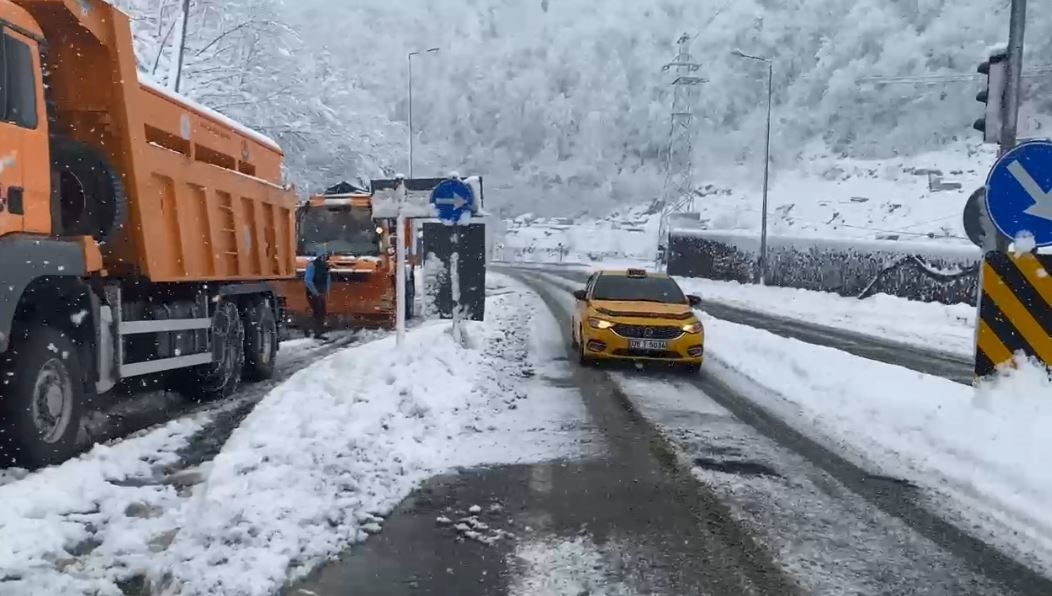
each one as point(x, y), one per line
point(399, 235)
point(453, 202)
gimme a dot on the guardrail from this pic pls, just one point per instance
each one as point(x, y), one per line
point(860, 268)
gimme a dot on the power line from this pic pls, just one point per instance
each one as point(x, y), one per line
point(920, 79)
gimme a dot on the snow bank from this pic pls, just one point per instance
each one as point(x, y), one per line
point(316, 463)
point(986, 447)
point(948, 328)
point(325, 456)
point(94, 504)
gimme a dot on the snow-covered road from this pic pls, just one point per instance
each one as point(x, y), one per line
point(812, 423)
point(499, 467)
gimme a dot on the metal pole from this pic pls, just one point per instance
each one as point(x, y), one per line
point(766, 173)
point(175, 81)
point(411, 54)
point(454, 284)
point(1016, 27)
point(400, 281)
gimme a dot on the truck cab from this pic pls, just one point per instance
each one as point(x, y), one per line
point(360, 252)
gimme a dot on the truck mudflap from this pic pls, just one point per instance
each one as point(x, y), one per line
point(24, 258)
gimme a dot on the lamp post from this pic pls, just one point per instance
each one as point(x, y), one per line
point(766, 160)
point(411, 54)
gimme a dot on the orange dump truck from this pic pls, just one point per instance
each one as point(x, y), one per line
point(139, 233)
point(361, 262)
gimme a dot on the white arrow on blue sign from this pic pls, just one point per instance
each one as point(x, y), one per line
point(452, 199)
point(1019, 192)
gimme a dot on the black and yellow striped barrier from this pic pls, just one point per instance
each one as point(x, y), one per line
point(1015, 310)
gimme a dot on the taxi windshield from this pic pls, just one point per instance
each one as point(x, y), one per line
point(645, 289)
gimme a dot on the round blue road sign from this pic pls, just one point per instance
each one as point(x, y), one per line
point(1019, 192)
point(452, 199)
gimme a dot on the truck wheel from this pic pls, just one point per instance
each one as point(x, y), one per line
point(223, 376)
point(261, 341)
point(40, 407)
point(91, 198)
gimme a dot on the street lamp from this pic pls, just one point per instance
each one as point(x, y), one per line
point(411, 54)
point(766, 160)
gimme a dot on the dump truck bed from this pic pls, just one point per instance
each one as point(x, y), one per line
point(204, 197)
point(210, 207)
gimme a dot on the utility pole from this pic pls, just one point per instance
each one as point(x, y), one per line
point(762, 269)
point(1013, 83)
point(679, 172)
point(180, 49)
point(411, 54)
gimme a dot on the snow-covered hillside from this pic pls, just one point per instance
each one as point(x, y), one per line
point(565, 108)
point(917, 198)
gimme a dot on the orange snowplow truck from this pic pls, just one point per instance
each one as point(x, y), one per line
point(361, 261)
point(138, 231)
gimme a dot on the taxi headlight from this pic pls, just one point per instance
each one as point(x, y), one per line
point(597, 323)
point(692, 328)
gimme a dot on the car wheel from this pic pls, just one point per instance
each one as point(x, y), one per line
point(582, 355)
point(690, 369)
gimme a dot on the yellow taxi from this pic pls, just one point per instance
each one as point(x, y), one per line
point(636, 315)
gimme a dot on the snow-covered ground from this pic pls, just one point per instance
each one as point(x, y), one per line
point(979, 452)
point(81, 527)
point(933, 326)
point(312, 469)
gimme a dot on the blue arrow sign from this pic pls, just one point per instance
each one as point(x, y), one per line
point(452, 199)
point(1019, 192)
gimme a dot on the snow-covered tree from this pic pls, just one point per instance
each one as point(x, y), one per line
point(562, 103)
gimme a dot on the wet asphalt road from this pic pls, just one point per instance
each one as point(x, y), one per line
point(666, 533)
point(942, 558)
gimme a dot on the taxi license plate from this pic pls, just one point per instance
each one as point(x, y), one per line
point(647, 344)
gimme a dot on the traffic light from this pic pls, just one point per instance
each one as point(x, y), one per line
point(996, 70)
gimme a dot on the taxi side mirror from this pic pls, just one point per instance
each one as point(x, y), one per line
point(695, 301)
point(580, 294)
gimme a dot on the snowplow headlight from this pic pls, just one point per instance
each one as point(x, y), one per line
point(379, 230)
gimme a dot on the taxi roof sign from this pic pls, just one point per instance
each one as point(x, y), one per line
point(636, 273)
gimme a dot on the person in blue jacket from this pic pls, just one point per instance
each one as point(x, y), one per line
point(317, 279)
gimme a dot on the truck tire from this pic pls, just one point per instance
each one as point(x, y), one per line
point(91, 197)
point(261, 340)
point(223, 376)
point(41, 404)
